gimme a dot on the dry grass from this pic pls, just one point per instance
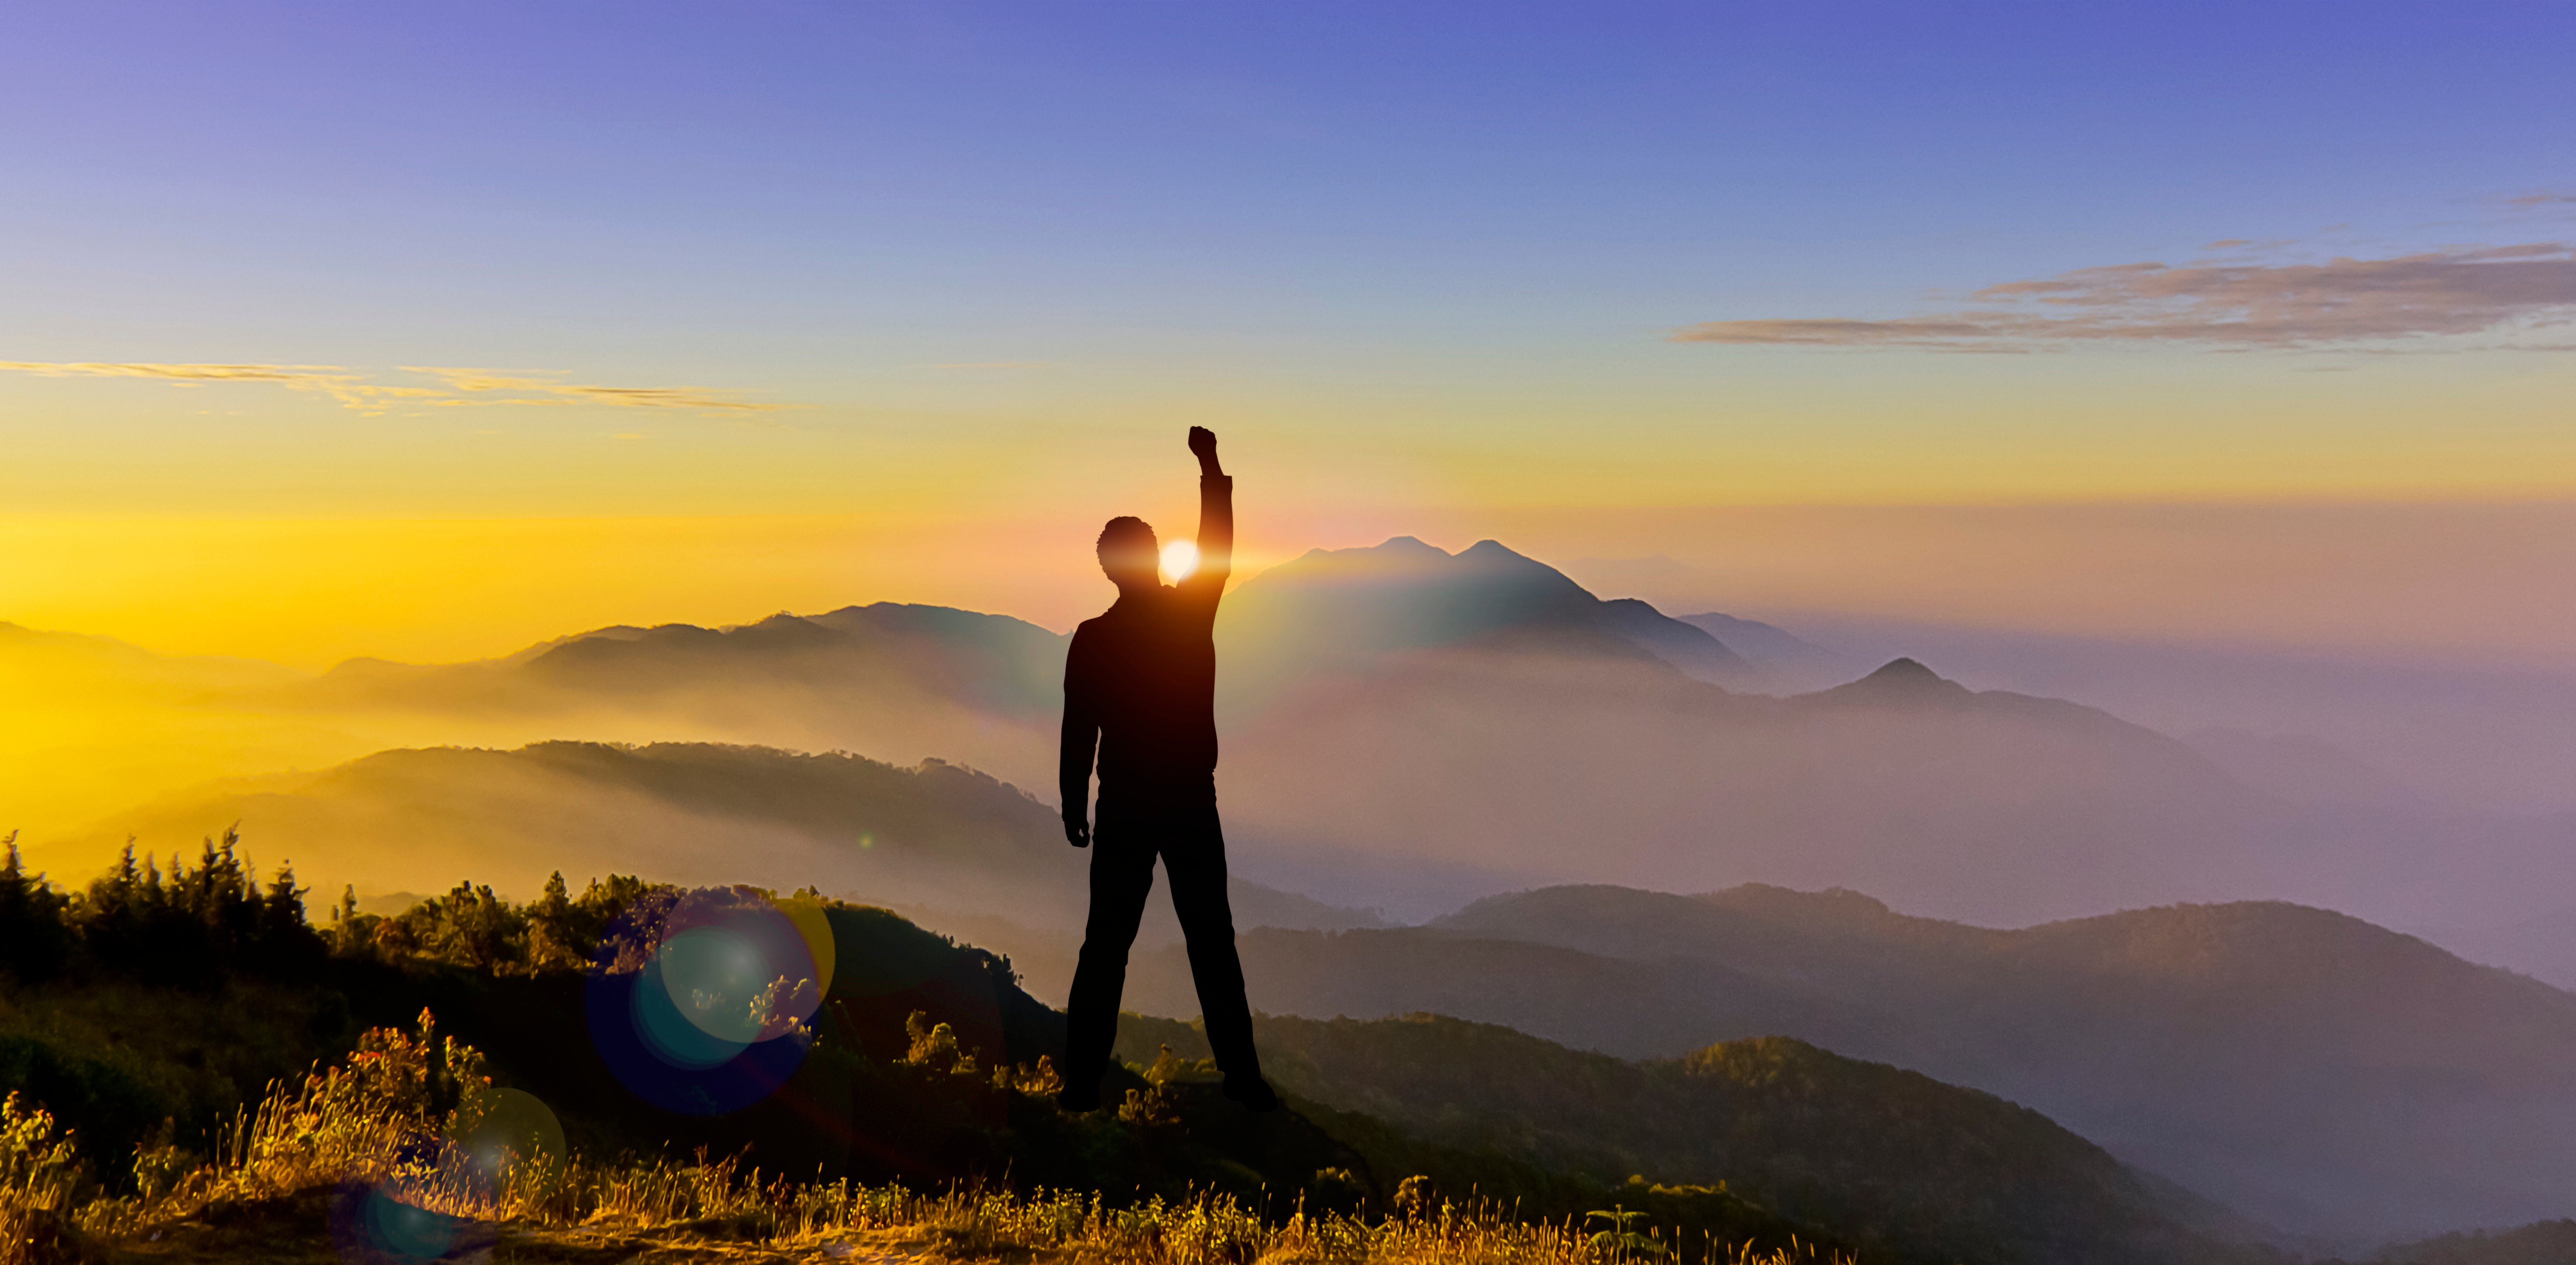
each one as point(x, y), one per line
point(370, 1134)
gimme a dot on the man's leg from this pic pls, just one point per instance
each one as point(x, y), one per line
point(1194, 857)
point(1122, 875)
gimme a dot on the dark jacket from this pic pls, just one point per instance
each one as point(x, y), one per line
point(1140, 679)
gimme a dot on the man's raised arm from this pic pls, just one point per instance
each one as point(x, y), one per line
point(1216, 516)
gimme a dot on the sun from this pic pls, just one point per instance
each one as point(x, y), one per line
point(1179, 559)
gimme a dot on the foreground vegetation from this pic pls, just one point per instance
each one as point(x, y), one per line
point(359, 1162)
point(160, 1031)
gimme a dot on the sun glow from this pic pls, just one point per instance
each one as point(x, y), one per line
point(1179, 559)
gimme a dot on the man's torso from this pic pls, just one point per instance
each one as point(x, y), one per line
point(1149, 672)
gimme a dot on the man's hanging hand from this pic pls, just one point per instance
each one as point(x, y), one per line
point(1076, 831)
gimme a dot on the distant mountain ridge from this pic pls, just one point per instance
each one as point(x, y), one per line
point(1326, 608)
point(1407, 728)
point(1341, 610)
point(31, 657)
point(1782, 661)
point(991, 661)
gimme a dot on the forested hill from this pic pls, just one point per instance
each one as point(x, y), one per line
point(2272, 1056)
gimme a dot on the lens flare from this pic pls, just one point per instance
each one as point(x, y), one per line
point(702, 1001)
point(1179, 559)
point(497, 1131)
point(374, 1223)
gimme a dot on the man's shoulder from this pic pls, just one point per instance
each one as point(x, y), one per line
point(1098, 628)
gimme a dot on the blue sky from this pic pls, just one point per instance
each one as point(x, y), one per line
point(762, 185)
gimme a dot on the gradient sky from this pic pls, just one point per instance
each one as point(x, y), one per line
point(526, 317)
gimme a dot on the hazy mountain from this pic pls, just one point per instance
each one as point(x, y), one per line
point(2308, 1068)
point(1532, 762)
point(2303, 770)
point(896, 681)
point(1327, 611)
point(1911, 1168)
point(2542, 946)
point(2483, 737)
point(1426, 770)
point(1783, 663)
point(92, 723)
point(935, 835)
point(1407, 728)
point(38, 661)
point(1336, 611)
point(994, 662)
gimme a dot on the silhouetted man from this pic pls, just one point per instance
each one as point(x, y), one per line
point(1140, 690)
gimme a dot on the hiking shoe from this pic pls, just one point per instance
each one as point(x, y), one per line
point(1077, 1101)
point(1253, 1092)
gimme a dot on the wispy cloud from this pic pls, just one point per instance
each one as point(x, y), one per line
point(362, 391)
point(2536, 201)
point(516, 388)
point(351, 389)
point(292, 374)
point(2231, 305)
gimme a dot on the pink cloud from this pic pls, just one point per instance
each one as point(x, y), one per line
point(2341, 301)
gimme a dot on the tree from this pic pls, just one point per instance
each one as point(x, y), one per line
point(470, 926)
point(35, 943)
point(556, 931)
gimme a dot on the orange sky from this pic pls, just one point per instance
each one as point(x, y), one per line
point(2458, 579)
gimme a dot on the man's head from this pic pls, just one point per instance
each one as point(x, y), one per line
point(1130, 555)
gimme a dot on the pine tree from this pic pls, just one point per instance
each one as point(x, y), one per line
point(281, 911)
point(110, 915)
point(35, 943)
point(555, 936)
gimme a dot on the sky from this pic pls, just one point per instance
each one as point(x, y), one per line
point(428, 331)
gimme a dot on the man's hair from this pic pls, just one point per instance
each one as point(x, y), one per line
point(1125, 532)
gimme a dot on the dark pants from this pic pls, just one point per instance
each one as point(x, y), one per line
point(1128, 837)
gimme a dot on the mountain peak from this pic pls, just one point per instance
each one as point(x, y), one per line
point(1346, 605)
point(1898, 681)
